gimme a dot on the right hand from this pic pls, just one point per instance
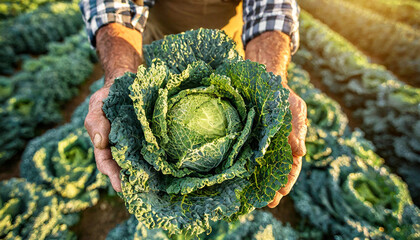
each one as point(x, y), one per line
point(120, 50)
point(98, 128)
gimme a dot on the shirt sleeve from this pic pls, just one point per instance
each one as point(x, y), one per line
point(268, 15)
point(97, 13)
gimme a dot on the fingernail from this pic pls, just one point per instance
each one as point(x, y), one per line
point(97, 140)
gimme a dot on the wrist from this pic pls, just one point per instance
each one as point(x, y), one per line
point(119, 49)
point(271, 48)
point(115, 73)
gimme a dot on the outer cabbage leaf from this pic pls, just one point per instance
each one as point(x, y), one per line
point(257, 225)
point(133, 230)
point(199, 136)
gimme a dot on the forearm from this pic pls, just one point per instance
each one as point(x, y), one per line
point(271, 48)
point(119, 49)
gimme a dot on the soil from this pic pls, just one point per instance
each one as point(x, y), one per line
point(285, 211)
point(10, 169)
point(97, 221)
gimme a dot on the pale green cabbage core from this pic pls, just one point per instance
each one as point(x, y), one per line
point(196, 123)
point(201, 114)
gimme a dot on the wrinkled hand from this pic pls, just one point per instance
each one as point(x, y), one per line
point(98, 127)
point(120, 50)
point(272, 48)
point(297, 143)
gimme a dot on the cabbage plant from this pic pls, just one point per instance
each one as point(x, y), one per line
point(356, 196)
point(200, 134)
point(63, 160)
point(27, 211)
point(344, 189)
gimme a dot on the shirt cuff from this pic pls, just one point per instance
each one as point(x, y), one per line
point(127, 14)
point(281, 20)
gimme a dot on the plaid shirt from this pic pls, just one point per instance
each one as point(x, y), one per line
point(259, 16)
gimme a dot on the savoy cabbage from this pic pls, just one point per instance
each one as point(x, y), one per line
point(200, 134)
point(62, 160)
point(387, 108)
point(26, 103)
point(344, 189)
point(27, 211)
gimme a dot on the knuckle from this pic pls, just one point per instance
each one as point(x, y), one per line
point(101, 164)
point(299, 151)
point(100, 167)
point(93, 99)
point(303, 150)
point(285, 191)
point(296, 162)
point(302, 106)
point(88, 122)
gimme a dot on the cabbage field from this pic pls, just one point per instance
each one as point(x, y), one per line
point(357, 69)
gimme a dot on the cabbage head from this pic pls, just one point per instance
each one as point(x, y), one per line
point(200, 134)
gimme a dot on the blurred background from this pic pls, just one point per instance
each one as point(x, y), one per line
point(357, 68)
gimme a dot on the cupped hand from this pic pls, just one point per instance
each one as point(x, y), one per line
point(98, 128)
point(297, 143)
point(272, 48)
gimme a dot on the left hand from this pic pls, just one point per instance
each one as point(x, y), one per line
point(297, 143)
point(272, 49)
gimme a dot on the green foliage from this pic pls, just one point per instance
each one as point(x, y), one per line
point(344, 189)
point(133, 230)
point(257, 225)
point(13, 8)
point(407, 12)
point(352, 198)
point(29, 212)
point(62, 160)
point(31, 32)
point(200, 134)
point(387, 108)
point(395, 43)
point(35, 95)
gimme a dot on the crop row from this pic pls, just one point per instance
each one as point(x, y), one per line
point(32, 31)
point(59, 179)
point(13, 8)
point(33, 97)
point(396, 44)
point(387, 107)
point(344, 190)
point(402, 11)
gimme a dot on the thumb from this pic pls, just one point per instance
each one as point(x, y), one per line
point(97, 125)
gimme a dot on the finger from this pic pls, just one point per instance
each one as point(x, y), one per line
point(275, 201)
point(96, 124)
point(293, 176)
point(108, 166)
point(299, 126)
